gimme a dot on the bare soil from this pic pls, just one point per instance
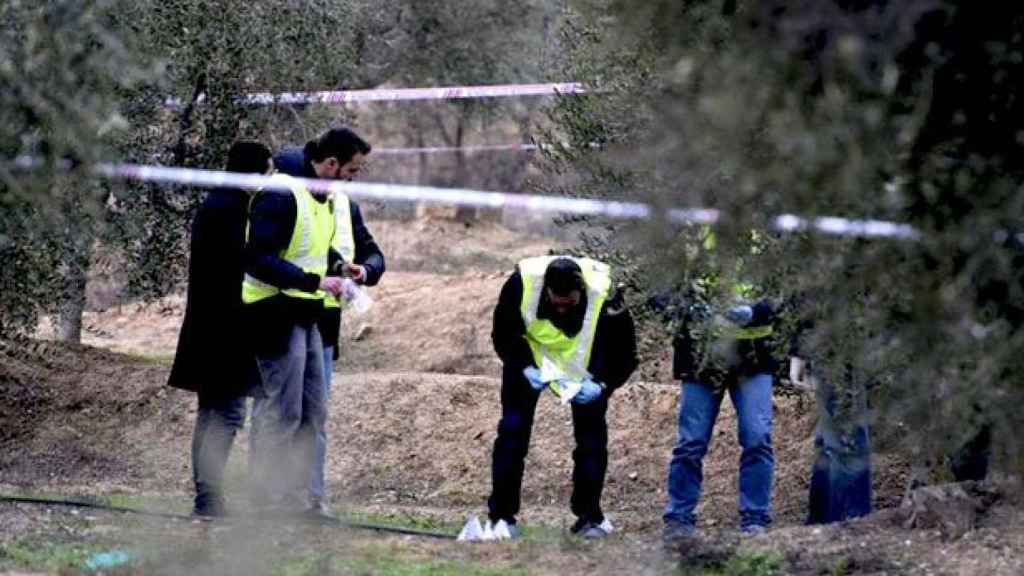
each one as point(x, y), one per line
point(414, 411)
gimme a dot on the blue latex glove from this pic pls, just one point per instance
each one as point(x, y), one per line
point(740, 315)
point(533, 376)
point(591, 391)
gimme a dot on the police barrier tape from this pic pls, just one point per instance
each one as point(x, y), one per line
point(404, 94)
point(828, 225)
point(454, 149)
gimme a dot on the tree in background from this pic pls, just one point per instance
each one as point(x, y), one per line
point(468, 44)
point(61, 76)
point(89, 81)
point(905, 111)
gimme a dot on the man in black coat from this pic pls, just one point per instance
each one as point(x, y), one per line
point(211, 359)
point(545, 304)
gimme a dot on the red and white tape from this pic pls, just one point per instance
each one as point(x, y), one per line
point(406, 94)
point(831, 226)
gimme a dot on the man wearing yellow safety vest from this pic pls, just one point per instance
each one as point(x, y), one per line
point(288, 258)
point(718, 350)
point(559, 325)
point(338, 154)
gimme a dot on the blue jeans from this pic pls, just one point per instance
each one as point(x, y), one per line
point(698, 410)
point(841, 475)
point(316, 485)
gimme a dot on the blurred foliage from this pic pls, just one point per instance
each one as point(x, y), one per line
point(84, 82)
point(898, 110)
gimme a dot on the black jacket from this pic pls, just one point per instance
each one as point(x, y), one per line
point(212, 357)
point(690, 362)
point(613, 357)
point(292, 161)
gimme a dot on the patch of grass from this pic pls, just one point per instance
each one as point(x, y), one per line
point(158, 358)
point(401, 519)
point(747, 564)
point(171, 504)
point(378, 560)
point(841, 567)
point(45, 556)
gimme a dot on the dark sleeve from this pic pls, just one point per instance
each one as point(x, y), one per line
point(271, 223)
point(509, 330)
point(368, 254)
point(764, 313)
point(614, 359)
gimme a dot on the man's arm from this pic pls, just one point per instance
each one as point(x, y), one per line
point(614, 359)
point(508, 330)
point(368, 253)
point(271, 224)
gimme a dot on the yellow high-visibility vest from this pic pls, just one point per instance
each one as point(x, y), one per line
point(569, 354)
point(311, 239)
point(743, 290)
point(344, 241)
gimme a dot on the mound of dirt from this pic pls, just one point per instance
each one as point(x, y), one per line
point(88, 418)
point(67, 413)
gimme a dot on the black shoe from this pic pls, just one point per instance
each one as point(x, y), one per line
point(317, 509)
point(209, 507)
point(676, 532)
point(592, 530)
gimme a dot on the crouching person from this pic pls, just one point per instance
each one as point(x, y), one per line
point(558, 324)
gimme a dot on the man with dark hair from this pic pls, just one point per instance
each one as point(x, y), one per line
point(338, 154)
point(211, 359)
point(558, 324)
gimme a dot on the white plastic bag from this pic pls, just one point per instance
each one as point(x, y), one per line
point(357, 300)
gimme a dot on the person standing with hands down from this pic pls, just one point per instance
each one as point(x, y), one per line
point(560, 325)
point(211, 359)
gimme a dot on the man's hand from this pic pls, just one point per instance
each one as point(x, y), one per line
point(354, 271)
point(332, 285)
point(591, 391)
point(533, 376)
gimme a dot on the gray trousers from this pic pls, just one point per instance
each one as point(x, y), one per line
point(217, 423)
point(286, 419)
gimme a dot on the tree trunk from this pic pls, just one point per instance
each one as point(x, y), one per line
point(73, 269)
point(464, 214)
point(72, 302)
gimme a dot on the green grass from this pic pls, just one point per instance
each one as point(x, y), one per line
point(403, 520)
point(158, 358)
point(46, 556)
point(744, 564)
point(379, 560)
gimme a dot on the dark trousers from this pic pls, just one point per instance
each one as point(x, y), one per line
point(590, 458)
point(218, 420)
point(841, 474)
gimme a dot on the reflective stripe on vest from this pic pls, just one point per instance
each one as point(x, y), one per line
point(344, 241)
point(307, 249)
point(753, 333)
point(570, 355)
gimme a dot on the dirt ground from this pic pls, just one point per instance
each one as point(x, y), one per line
point(414, 411)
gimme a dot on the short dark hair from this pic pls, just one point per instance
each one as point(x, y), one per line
point(562, 276)
point(341, 143)
point(248, 157)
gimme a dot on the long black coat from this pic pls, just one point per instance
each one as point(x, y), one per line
point(212, 358)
